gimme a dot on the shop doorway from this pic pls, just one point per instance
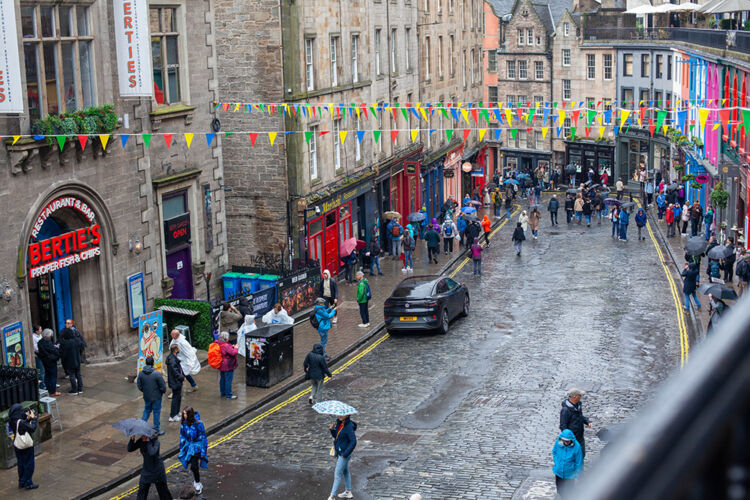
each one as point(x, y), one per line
point(331, 242)
point(179, 268)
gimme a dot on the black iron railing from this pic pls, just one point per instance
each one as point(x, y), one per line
point(718, 39)
point(17, 384)
point(692, 440)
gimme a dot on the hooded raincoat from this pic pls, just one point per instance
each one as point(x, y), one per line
point(247, 327)
point(193, 441)
point(568, 459)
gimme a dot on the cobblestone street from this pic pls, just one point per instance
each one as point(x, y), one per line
point(474, 414)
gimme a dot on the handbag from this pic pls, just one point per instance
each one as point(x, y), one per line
point(22, 441)
point(332, 452)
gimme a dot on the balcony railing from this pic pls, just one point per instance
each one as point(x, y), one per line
point(718, 39)
point(691, 441)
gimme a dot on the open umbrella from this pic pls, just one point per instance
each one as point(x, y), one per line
point(334, 407)
point(476, 203)
point(627, 205)
point(570, 169)
point(450, 203)
point(391, 215)
point(612, 201)
point(523, 175)
point(347, 247)
point(571, 191)
point(720, 252)
point(470, 218)
point(718, 291)
point(673, 187)
point(416, 217)
point(511, 181)
point(695, 245)
point(134, 427)
point(468, 210)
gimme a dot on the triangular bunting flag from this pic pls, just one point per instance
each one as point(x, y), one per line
point(513, 133)
point(61, 141)
point(360, 135)
point(482, 131)
point(544, 132)
point(448, 134)
point(394, 136)
point(745, 119)
point(15, 138)
point(624, 114)
point(146, 140)
point(253, 137)
point(104, 139)
point(601, 132)
point(498, 131)
point(272, 137)
point(124, 139)
point(82, 139)
point(188, 139)
point(466, 133)
point(661, 115)
point(342, 136)
point(702, 117)
point(376, 135)
point(168, 140)
point(210, 138)
point(414, 134)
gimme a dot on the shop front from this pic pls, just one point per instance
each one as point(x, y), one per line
point(475, 178)
point(590, 155)
point(452, 174)
point(432, 188)
point(525, 161)
point(636, 148)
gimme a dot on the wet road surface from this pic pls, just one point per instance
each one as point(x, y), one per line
point(474, 413)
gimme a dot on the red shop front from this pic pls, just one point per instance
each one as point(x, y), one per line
point(404, 189)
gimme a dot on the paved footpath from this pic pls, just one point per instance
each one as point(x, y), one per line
point(474, 414)
point(89, 452)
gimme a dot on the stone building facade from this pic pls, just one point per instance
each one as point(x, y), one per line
point(138, 213)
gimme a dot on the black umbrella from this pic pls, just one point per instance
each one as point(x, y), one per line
point(416, 217)
point(720, 252)
point(571, 191)
point(673, 187)
point(612, 201)
point(627, 205)
point(450, 205)
point(470, 217)
point(718, 291)
point(570, 169)
point(695, 245)
point(134, 427)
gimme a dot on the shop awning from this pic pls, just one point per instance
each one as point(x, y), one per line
point(179, 310)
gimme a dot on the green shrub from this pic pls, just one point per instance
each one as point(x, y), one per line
point(200, 326)
point(91, 121)
point(719, 196)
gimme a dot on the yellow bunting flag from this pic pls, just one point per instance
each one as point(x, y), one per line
point(356, 110)
point(102, 137)
point(272, 137)
point(624, 114)
point(342, 135)
point(599, 118)
point(601, 132)
point(15, 138)
point(544, 132)
point(465, 114)
point(188, 139)
point(702, 117)
point(560, 117)
point(664, 129)
point(482, 131)
point(237, 107)
point(508, 115)
point(414, 133)
point(716, 126)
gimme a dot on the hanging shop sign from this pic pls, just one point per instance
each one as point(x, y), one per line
point(13, 345)
point(64, 250)
point(448, 173)
point(133, 48)
point(11, 94)
point(477, 172)
point(177, 230)
point(702, 178)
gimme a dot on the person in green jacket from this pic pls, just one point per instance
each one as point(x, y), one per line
point(433, 244)
point(363, 298)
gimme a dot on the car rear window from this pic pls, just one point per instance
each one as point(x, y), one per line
point(413, 290)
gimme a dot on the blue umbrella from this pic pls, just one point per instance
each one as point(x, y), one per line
point(523, 176)
point(468, 210)
point(416, 217)
point(333, 407)
point(508, 181)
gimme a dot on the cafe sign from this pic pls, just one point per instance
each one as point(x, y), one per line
point(341, 198)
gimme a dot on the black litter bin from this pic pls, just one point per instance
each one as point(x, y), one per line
point(269, 355)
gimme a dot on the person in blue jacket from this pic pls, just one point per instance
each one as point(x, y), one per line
point(661, 202)
point(640, 222)
point(324, 315)
point(568, 461)
point(461, 226)
point(342, 431)
point(193, 445)
point(624, 221)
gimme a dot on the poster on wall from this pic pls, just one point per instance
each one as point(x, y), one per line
point(133, 43)
point(136, 298)
point(13, 345)
point(299, 291)
point(150, 339)
point(11, 96)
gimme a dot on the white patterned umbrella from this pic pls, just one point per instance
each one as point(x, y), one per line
point(333, 407)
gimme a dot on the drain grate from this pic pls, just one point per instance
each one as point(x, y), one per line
point(97, 459)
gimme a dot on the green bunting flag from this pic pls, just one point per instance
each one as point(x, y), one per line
point(746, 120)
point(308, 135)
point(147, 140)
point(513, 133)
point(61, 141)
point(376, 135)
point(448, 134)
point(660, 116)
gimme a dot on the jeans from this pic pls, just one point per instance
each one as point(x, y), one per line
point(76, 381)
point(190, 379)
point(569, 215)
point(407, 259)
point(155, 408)
point(553, 218)
point(517, 246)
point(662, 210)
point(640, 228)
point(599, 216)
point(507, 212)
point(25, 459)
point(225, 383)
point(161, 488)
point(316, 390)
point(624, 232)
point(694, 227)
point(364, 312)
point(323, 339)
point(670, 229)
point(619, 195)
point(615, 229)
point(477, 267)
point(588, 219)
point(50, 378)
point(649, 198)
point(448, 244)
point(708, 231)
point(432, 253)
point(579, 214)
point(687, 300)
point(40, 366)
point(174, 408)
point(572, 180)
point(342, 469)
point(535, 232)
point(396, 247)
point(375, 261)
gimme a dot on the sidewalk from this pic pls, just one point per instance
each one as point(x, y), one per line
point(89, 452)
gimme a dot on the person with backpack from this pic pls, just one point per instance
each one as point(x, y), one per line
point(476, 257)
point(409, 244)
point(498, 201)
point(569, 208)
point(640, 223)
point(329, 290)
point(227, 364)
point(374, 250)
point(518, 237)
point(316, 369)
point(394, 234)
point(448, 231)
point(364, 294)
point(175, 378)
point(552, 207)
point(320, 319)
point(624, 221)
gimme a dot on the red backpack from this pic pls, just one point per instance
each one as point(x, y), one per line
point(214, 355)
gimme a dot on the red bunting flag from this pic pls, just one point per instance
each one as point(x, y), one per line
point(394, 134)
point(168, 140)
point(82, 140)
point(466, 133)
point(253, 137)
point(474, 115)
point(575, 117)
point(323, 132)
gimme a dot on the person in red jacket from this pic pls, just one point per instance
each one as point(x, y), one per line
point(228, 364)
point(670, 221)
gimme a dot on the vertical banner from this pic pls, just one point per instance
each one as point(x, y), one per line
point(133, 48)
point(11, 98)
point(13, 343)
point(150, 341)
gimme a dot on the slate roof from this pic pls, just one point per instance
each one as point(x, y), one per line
point(501, 7)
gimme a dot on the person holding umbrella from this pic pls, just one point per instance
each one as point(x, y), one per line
point(344, 441)
point(690, 274)
point(743, 272)
point(153, 471)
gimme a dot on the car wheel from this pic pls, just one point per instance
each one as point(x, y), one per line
point(467, 303)
point(444, 322)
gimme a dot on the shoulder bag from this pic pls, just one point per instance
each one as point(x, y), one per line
point(333, 451)
point(22, 441)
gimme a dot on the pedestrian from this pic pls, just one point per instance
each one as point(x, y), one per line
point(247, 327)
point(508, 205)
point(624, 221)
point(518, 237)
point(640, 222)
point(395, 231)
point(605, 178)
point(712, 243)
point(473, 231)
point(49, 355)
point(409, 244)
point(82, 346)
point(534, 217)
point(649, 193)
point(486, 228)
point(152, 471)
point(716, 309)
point(714, 271)
point(708, 220)
point(70, 352)
point(614, 216)
point(228, 318)
point(193, 445)
point(324, 313)
point(22, 423)
point(568, 461)
point(278, 315)
point(486, 198)
point(350, 264)
point(661, 203)
point(245, 308)
point(364, 294)
point(228, 365)
point(690, 274)
point(572, 418)
point(344, 441)
point(175, 377)
point(476, 257)
point(587, 211)
point(597, 203)
point(696, 216)
point(620, 188)
point(433, 244)
point(669, 219)
point(448, 231)
point(552, 207)
point(578, 207)
point(743, 272)
point(524, 220)
point(461, 225)
point(188, 356)
point(187, 493)
point(36, 336)
point(569, 207)
point(685, 217)
point(329, 290)
point(497, 202)
point(151, 384)
point(374, 250)
point(316, 369)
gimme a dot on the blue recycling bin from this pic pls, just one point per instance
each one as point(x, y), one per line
point(267, 281)
point(249, 283)
point(232, 285)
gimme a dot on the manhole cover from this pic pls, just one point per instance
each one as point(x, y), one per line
point(390, 437)
point(97, 459)
point(113, 448)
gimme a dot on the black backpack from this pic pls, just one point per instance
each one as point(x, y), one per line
point(314, 321)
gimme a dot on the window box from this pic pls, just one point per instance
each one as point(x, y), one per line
point(171, 112)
